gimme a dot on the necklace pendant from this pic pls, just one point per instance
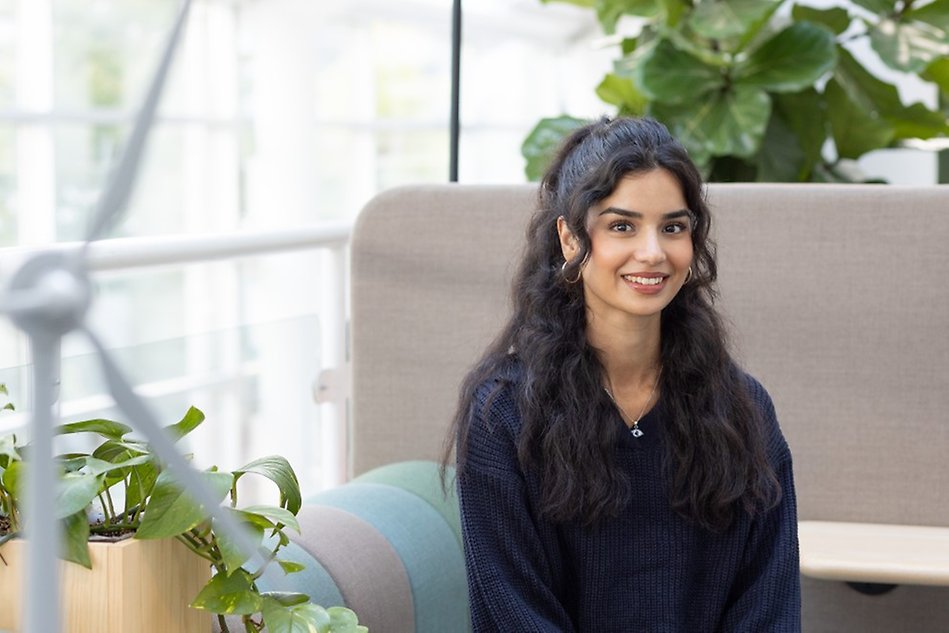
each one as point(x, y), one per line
point(636, 431)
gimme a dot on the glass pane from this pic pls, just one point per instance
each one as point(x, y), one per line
point(412, 68)
point(105, 51)
point(411, 156)
point(253, 383)
point(7, 54)
point(8, 227)
point(188, 181)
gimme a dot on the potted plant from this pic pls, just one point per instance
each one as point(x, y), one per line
point(769, 90)
point(117, 497)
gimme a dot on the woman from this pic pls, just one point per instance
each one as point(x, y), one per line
point(617, 471)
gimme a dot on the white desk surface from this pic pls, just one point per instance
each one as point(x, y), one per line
point(875, 553)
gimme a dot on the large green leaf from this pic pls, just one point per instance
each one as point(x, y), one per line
point(935, 13)
point(76, 491)
point(781, 158)
point(229, 595)
point(343, 620)
point(864, 89)
point(877, 6)
point(274, 516)
point(171, 511)
point(106, 428)
point(95, 466)
point(673, 11)
point(542, 143)
point(117, 451)
point(908, 45)
point(726, 19)
point(804, 114)
point(836, 19)
point(621, 92)
point(301, 618)
point(121, 471)
point(192, 419)
point(918, 121)
point(670, 75)
point(855, 130)
point(610, 11)
point(724, 123)
point(12, 479)
point(792, 60)
point(720, 56)
point(75, 539)
point(880, 100)
point(278, 470)
point(938, 73)
point(233, 554)
point(140, 485)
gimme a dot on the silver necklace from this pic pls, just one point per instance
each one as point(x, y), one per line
point(636, 431)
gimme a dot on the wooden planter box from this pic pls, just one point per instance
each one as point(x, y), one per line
point(133, 586)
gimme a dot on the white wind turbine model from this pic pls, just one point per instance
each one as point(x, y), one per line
point(47, 298)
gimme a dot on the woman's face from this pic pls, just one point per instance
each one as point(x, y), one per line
point(641, 247)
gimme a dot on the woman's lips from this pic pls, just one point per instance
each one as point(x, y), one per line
point(648, 284)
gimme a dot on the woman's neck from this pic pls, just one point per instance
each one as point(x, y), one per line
point(629, 352)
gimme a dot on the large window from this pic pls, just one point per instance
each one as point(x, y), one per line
point(277, 114)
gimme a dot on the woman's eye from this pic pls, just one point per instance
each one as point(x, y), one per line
point(621, 227)
point(676, 227)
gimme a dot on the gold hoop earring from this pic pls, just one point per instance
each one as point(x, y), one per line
point(563, 273)
point(688, 276)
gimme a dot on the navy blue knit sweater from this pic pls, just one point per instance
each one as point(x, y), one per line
point(647, 570)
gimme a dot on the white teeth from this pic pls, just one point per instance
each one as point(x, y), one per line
point(645, 281)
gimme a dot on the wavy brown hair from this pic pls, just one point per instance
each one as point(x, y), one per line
point(716, 457)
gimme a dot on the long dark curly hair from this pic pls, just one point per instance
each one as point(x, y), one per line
point(716, 458)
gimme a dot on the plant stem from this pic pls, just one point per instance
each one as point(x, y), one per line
point(105, 510)
point(223, 623)
point(196, 547)
point(108, 496)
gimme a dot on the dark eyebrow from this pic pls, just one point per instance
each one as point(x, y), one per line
point(636, 214)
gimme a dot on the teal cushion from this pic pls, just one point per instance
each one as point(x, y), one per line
point(364, 565)
point(314, 580)
point(423, 540)
point(422, 478)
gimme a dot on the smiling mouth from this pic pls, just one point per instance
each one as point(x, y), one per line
point(644, 281)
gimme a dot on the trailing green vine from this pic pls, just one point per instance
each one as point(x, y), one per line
point(120, 488)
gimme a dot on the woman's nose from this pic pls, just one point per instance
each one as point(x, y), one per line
point(649, 250)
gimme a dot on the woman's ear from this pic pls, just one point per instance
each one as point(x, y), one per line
point(569, 245)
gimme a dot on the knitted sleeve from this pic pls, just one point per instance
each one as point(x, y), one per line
point(767, 593)
point(512, 582)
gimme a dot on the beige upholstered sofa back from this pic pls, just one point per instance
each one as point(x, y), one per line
point(838, 297)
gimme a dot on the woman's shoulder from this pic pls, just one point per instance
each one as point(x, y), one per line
point(764, 405)
point(500, 387)
point(493, 423)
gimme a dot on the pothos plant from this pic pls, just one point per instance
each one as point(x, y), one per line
point(120, 489)
point(759, 93)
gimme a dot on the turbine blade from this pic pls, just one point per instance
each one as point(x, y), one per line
point(117, 191)
point(142, 418)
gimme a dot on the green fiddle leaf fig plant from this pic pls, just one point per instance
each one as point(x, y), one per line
point(757, 93)
point(119, 490)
